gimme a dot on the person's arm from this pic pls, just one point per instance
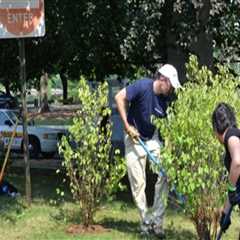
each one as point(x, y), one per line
point(121, 101)
point(234, 173)
point(234, 149)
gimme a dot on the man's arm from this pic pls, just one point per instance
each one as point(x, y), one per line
point(121, 101)
point(233, 195)
point(234, 149)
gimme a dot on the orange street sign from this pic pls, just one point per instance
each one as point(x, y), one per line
point(22, 18)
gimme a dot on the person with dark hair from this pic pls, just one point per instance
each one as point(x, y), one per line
point(146, 98)
point(225, 127)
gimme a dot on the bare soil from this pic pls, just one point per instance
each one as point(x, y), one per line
point(56, 112)
point(81, 229)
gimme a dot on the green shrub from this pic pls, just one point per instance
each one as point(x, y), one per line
point(73, 92)
point(192, 153)
point(93, 173)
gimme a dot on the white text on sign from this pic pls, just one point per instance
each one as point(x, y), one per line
point(19, 17)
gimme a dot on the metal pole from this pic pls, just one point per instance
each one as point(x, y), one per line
point(24, 118)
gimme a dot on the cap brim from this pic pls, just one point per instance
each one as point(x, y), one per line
point(175, 83)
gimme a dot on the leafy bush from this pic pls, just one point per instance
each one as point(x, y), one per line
point(192, 153)
point(88, 156)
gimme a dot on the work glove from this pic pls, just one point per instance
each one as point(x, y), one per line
point(234, 197)
point(133, 133)
point(224, 223)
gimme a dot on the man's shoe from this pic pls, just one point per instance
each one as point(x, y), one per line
point(144, 235)
point(159, 232)
point(145, 229)
point(160, 235)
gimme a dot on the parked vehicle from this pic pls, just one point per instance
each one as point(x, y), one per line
point(7, 101)
point(42, 139)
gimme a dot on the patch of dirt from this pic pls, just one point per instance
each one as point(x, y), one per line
point(56, 111)
point(91, 229)
point(55, 114)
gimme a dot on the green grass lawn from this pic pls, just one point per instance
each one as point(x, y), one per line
point(49, 217)
point(60, 121)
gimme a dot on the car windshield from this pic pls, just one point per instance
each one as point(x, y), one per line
point(13, 117)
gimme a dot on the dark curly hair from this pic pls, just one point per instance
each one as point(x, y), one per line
point(223, 117)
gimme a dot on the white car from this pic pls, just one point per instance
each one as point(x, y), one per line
point(42, 139)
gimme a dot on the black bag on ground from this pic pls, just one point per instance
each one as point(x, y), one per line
point(8, 189)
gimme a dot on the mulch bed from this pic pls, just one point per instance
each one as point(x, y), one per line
point(55, 114)
point(91, 229)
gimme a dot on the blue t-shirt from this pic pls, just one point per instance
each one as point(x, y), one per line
point(143, 104)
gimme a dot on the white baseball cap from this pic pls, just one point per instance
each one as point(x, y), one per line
point(170, 72)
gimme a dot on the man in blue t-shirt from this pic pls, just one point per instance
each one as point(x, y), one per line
point(143, 99)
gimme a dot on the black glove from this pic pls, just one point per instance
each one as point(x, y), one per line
point(224, 222)
point(234, 197)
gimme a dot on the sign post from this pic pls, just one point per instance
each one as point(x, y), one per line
point(21, 19)
point(22, 60)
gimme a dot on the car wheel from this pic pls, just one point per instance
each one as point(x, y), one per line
point(34, 147)
point(48, 155)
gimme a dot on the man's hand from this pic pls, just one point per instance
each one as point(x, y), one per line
point(234, 197)
point(133, 133)
point(224, 223)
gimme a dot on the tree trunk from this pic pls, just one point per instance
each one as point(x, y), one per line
point(44, 93)
point(64, 84)
point(203, 45)
point(174, 55)
point(203, 222)
point(202, 230)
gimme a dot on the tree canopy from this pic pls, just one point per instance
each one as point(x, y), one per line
point(99, 38)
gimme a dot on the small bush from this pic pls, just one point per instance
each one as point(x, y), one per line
point(192, 152)
point(88, 156)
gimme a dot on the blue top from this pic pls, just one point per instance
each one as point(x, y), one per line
point(143, 104)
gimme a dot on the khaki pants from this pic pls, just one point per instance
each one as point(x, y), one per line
point(136, 165)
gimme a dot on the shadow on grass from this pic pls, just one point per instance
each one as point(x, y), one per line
point(44, 184)
point(121, 225)
point(69, 216)
point(10, 208)
point(132, 228)
point(180, 234)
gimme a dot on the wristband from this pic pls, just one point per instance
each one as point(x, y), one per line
point(231, 188)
